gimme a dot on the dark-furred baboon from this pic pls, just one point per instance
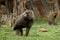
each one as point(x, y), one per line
point(25, 20)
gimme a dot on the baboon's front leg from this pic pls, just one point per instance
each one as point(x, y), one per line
point(27, 31)
point(21, 32)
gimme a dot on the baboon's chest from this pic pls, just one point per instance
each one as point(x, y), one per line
point(23, 25)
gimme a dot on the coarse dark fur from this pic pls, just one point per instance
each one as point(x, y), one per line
point(25, 20)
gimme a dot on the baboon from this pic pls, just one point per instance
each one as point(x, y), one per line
point(25, 20)
point(53, 4)
point(52, 19)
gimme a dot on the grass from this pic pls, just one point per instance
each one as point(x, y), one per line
point(53, 33)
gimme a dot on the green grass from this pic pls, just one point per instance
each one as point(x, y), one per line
point(53, 33)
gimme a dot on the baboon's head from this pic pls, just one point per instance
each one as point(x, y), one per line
point(27, 16)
